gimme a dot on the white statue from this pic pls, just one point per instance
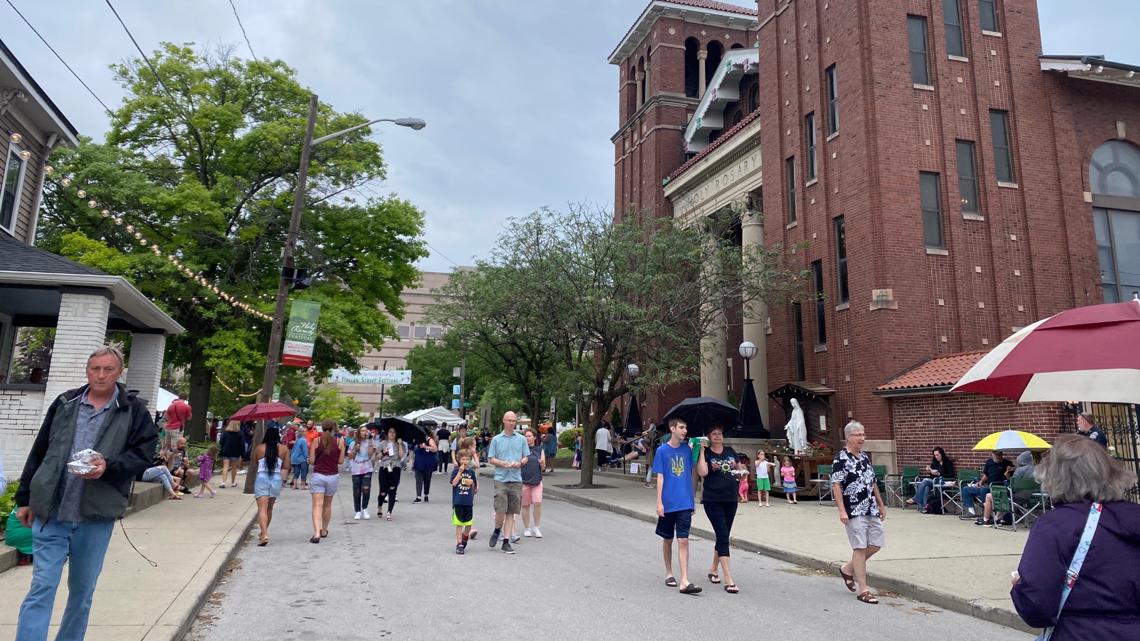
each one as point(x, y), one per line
point(796, 429)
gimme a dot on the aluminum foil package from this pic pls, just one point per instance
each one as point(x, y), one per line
point(83, 462)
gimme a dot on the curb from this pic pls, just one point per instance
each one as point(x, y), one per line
point(908, 589)
point(200, 599)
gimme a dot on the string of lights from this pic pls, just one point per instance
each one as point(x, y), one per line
point(68, 184)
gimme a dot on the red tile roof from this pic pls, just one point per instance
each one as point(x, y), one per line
point(940, 371)
point(718, 6)
point(723, 138)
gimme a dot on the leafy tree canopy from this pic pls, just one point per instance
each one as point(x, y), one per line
point(202, 164)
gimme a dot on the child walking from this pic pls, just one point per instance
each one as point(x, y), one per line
point(743, 474)
point(788, 474)
point(464, 485)
point(206, 471)
point(763, 479)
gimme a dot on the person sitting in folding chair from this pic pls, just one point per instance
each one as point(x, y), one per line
point(993, 472)
point(1026, 465)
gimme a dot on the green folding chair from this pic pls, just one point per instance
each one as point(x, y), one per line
point(823, 481)
point(952, 494)
point(906, 483)
point(1002, 496)
point(1028, 507)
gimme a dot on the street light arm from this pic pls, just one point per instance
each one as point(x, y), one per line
point(414, 123)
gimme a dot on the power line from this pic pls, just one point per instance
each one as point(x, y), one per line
point(52, 49)
point(130, 35)
point(243, 34)
point(441, 254)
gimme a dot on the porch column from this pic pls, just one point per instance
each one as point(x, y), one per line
point(714, 370)
point(702, 55)
point(80, 330)
point(756, 314)
point(145, 368)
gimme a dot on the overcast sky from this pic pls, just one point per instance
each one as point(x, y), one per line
point(519, 99)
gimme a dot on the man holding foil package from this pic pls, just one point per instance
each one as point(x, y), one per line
point(72, 508)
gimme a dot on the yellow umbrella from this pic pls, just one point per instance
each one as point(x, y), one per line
point(1012, 440)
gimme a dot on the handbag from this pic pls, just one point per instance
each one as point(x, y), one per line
point(1074, 570)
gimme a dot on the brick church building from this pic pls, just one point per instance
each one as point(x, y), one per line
point(950, 182)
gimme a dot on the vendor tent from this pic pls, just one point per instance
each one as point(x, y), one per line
point(438, 414)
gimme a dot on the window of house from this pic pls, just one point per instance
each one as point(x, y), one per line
point(916, 39)
point(404, 331)
point(931, 210)
point(1003, 154)
point(790, 172)
point(809, 144)
point(820, 302)
point(692, 79)
point(841, 259)
point(1115, 170)
point(421, 331)
point(987, 11)
point(967, 177)
point(1118, 250)
point(798, 335)
point(10, 190)
point(832, 100)
point(435, 331)
point(955, 40)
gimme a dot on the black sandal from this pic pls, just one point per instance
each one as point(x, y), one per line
point(691, 589)
point(324, 534)
point(848, 580)
point(315, 539)
point(731, 588)
point(671, 582)
point(714, 579)
point(867, 597)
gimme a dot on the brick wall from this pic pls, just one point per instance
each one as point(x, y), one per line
point(21, 413)
point(81, 329)
point(958, 421)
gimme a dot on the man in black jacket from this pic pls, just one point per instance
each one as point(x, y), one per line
point(73, 514)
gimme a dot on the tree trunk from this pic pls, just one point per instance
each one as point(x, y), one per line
point(201, 379)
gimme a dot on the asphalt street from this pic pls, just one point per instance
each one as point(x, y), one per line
point(595, 575)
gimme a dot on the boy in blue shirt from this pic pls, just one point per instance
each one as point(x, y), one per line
point(673, 465)
point(464, 485)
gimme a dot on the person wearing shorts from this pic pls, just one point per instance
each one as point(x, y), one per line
point(508, 453)
point(464, 485)
point(673, 465)
point(532, 485)
point(861, 509)
point(325, 457)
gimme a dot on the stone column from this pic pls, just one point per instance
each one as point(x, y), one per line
point(702, 55)
point(145, 368)
point(714, 370)
point(640, 75)
point(756, 315)
point(81, 329)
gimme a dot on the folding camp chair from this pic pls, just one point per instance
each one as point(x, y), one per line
point(952, 494)
point(823, 481)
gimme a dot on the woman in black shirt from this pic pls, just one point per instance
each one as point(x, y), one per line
point(717, 466)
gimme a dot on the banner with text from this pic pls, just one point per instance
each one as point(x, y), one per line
point(301, 334)
point(371, 377)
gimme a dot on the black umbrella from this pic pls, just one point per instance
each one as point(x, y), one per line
point(752, 425)
point(405, 429)
point(633, 417)
point(427, 422)
point(702, 413)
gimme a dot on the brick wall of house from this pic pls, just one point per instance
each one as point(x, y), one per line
point(21, 413)
point(956, 422)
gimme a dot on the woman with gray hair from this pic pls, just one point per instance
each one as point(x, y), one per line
point(1094, 536)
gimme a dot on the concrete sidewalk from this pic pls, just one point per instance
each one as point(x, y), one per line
point(191, 540)
point(941, 560)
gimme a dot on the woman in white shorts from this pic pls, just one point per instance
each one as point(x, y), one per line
point(271, 468)
point(326, 457)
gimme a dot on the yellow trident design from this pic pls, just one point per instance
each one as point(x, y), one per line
point(678, 465)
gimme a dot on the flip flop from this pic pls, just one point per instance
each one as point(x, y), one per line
point(848, 580)
point(671, 582)
point(714, 578)
point(315, 539)
point(867, 597)
point(324, 534)
point(691, 589)
point(262, 544)
point(731, 588)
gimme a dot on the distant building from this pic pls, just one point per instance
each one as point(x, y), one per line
point(412, 330)
point(951, 185)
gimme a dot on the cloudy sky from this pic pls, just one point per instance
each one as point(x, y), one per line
point(519, 99)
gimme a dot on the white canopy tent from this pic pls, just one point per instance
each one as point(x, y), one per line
point(165, 398)
point(439, 414)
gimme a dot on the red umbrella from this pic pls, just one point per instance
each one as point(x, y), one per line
point(259, 411)
point(1084, 354)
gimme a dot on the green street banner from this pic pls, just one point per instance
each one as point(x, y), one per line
point(301, 333)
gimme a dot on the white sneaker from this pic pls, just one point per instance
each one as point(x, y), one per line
point(537, 533)
point(365, 513)
point(971, 511)
point(526, 532)
point(515, 538)
point(357, 517)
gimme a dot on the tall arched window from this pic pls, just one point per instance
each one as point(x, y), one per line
point(716, 54)
point(1114, 179)
point(754, 98)
point(692, 74)
point(642, 83)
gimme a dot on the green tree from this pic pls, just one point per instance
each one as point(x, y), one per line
point(595, 295)
point(329, 403)
point(432, 365)
point(202, 164)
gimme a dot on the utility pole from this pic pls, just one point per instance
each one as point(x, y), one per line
point(273, 355)
point(385, 368)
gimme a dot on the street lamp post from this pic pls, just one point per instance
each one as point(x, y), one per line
point(747, 352)
point(273, 354)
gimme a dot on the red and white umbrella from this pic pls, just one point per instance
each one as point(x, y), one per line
point(1084, 354)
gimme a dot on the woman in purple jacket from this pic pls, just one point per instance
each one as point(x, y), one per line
point(1105, 601)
